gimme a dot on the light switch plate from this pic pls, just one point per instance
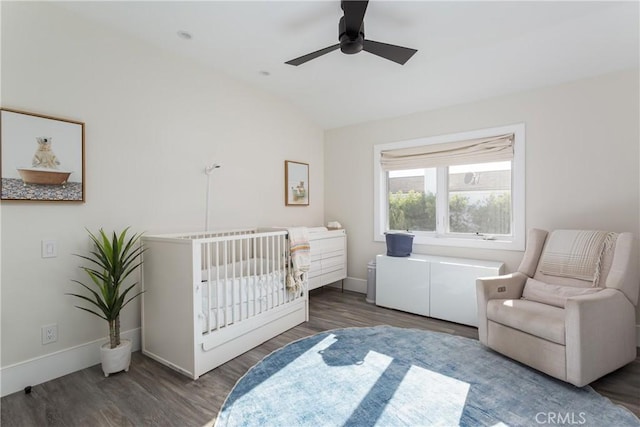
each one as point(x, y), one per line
point(49, 248)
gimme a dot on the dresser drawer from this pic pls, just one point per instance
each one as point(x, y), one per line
point(315, 256)
point(328, 245)
point(333, 276)
point(333, 254)
point(315, 282)
point(330, 264)
point(315, 269)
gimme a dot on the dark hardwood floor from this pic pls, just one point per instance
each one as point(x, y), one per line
point(151, 394)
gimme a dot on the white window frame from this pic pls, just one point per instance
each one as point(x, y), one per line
point(516, 242)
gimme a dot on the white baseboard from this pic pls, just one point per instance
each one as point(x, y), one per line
point(352, 284)
point(40, 369)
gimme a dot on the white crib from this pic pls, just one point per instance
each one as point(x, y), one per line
point(209, 297)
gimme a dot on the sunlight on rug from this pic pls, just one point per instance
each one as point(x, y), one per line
point(390, 376)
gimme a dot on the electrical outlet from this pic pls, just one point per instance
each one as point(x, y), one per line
point(502, 289)
point(49, 333)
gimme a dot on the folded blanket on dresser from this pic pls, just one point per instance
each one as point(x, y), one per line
point(300, 257)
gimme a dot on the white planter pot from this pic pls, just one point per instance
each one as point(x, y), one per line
point(115, 359)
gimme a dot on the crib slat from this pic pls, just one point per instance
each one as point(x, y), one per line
point(255, 277)
point(216, 286)
point(274, 263)
point(277, 268)
point(260, 283)
point(269, 252)
point(244, 294)
point(207, 313)
point(226, 283)
point(233, 281)
point(282, 278)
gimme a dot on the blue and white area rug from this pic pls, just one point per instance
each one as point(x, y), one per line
point(389, 376)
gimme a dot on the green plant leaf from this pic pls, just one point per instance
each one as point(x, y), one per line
point(92, 312)
point(114, 258)
point(106, 315)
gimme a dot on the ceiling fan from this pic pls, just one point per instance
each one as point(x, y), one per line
point(351, 36)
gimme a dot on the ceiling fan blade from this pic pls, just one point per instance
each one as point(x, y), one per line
point(308, 57)
point(397, 54)
point(353, 15)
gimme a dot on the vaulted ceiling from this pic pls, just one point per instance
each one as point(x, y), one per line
point(466, 50)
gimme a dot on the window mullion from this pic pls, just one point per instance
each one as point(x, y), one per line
point(442, 201)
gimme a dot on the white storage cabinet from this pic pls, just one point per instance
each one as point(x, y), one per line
point(440, 287)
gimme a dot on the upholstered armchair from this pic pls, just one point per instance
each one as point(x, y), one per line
point(569, 311)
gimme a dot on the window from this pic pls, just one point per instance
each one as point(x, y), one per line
point(464, 189)
point(411, 203)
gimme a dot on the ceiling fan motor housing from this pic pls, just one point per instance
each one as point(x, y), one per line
point(350, 43)
point(351, 37)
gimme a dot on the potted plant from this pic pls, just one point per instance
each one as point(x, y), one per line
point(112, 261)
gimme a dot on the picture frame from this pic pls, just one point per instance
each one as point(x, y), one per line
point(296, 183)
point(42, 157)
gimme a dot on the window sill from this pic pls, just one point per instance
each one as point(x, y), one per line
point(472, 242)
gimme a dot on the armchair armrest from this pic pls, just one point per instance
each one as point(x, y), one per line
point(600, 335)
point(624, 274)
point(508, 286)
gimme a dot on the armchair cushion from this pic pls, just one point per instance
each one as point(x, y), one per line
point(541, 320)
point(556, 295)
point(577, 254)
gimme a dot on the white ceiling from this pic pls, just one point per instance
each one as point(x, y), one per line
point(466, 50)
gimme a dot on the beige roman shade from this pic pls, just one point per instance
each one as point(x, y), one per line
point(480, 150)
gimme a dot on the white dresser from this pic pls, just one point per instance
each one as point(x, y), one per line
point(328, 250)
point(440, 287)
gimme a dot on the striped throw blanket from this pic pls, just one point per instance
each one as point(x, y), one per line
point(300, 257)
point(578, 254)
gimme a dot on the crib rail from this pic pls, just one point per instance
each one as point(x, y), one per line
point(208, 234)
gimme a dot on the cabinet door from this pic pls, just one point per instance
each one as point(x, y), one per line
point(403, 284)
point(453, 292)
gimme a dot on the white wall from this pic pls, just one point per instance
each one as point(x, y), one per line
point(153, 121)
point(582, 170)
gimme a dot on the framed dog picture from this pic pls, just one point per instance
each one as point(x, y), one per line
point(42, 157)
point(296, 183)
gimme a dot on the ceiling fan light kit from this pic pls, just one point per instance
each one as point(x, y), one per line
point(352, 40)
